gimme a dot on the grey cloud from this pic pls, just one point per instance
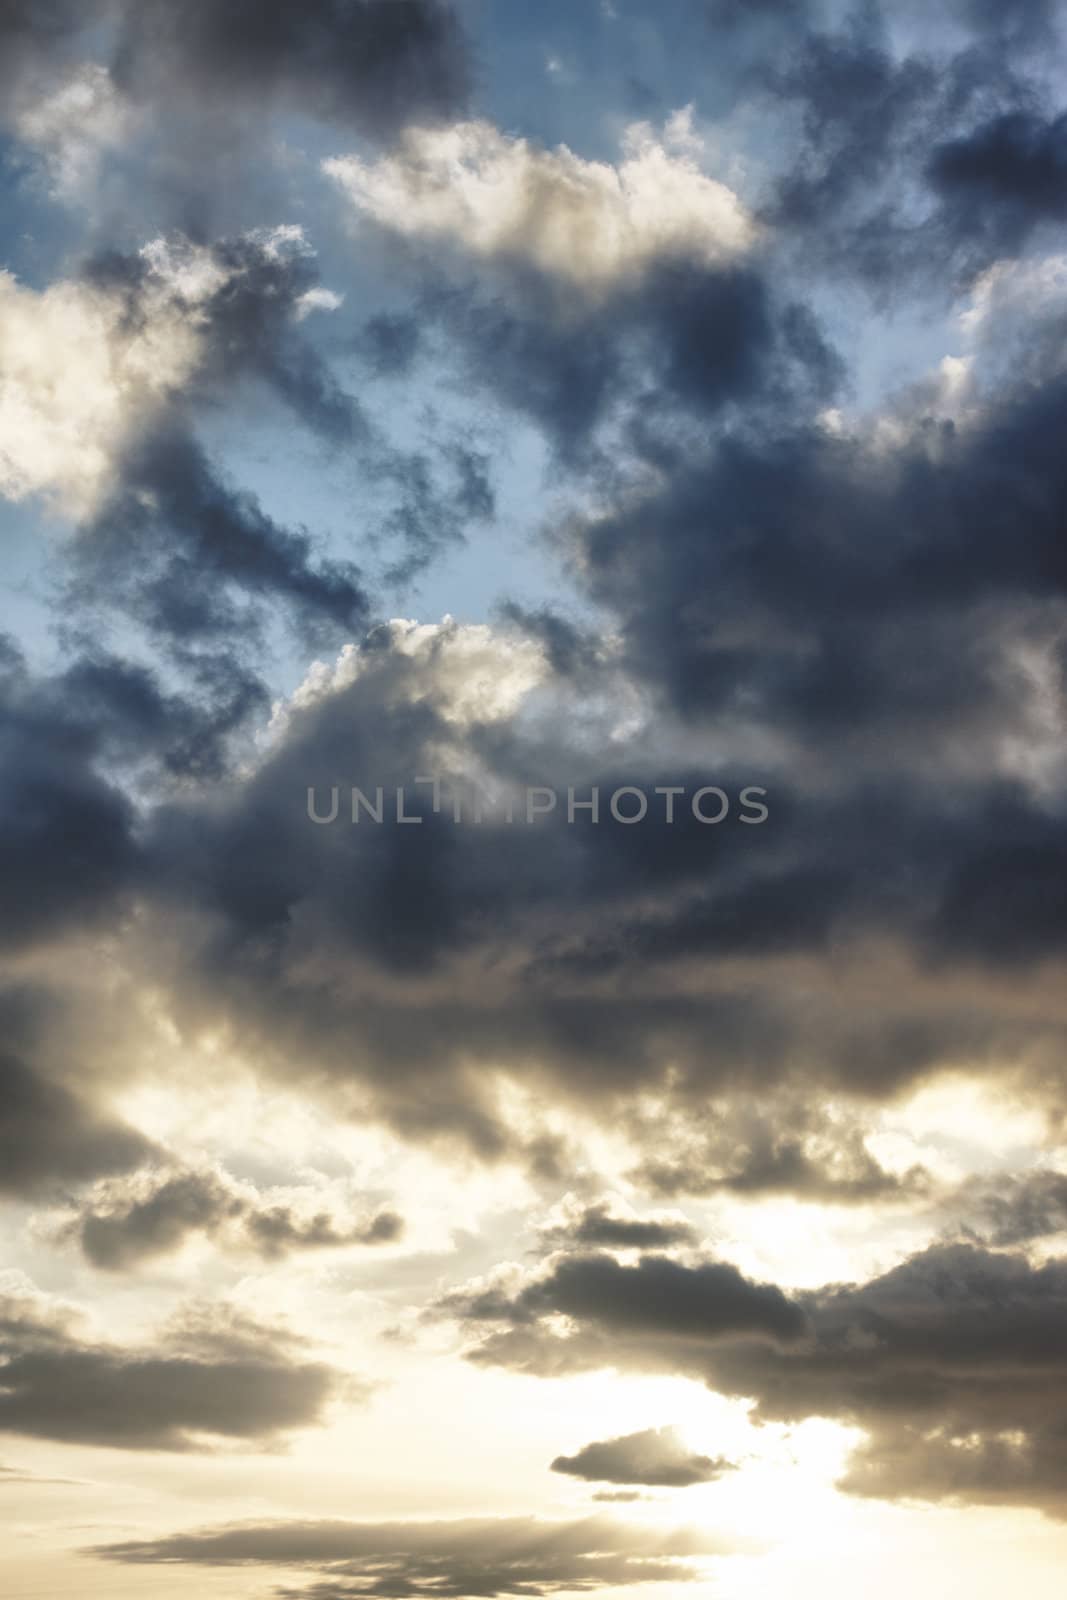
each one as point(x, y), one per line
point(208, 554)
point(474, 1556)
point(52, 1136)
point(1003, 178)
point(596, 1225)
point(370, 64)
point(958, 1350)
point(744, 1150)
point(656, 1300)
point(687, 341)
point(1012, 1210)
point(57, 1127)
point(192, 555)
point(656, 1457)
point(1003, 1466)
point(254, 315)
point(922, 163)
point(373, 64)
point(238, 1387)
point(68, 847)
point(534, 980)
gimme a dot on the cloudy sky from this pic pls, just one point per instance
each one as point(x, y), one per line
point(647, 420)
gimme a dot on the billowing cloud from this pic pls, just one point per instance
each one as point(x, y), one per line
point(587, 224)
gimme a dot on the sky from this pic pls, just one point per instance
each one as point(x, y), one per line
point(533, 680)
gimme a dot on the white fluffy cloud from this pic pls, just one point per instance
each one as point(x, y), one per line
point(587, 223)
point(79, 376)
point(76, 380)
point(473, 672)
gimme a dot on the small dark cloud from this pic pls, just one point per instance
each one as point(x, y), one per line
point(596, 1226)
point(389, 343)
point(656, 1457)
point(152, 1215)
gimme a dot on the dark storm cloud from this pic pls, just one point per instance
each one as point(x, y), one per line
point(756, 597)
point(960, 1349)
point(597, 961)
point(224, 1384)
point(67, 836)
point(138, 721)
point(687, 341)
point(861, 610)
point(373, 64)
point(206, 552)
point(920, 166)
point(474, 1556)
point(369, 64)
point(1002, 179)
point(656, 1457)
point(69, 842)
point(144, 1218)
